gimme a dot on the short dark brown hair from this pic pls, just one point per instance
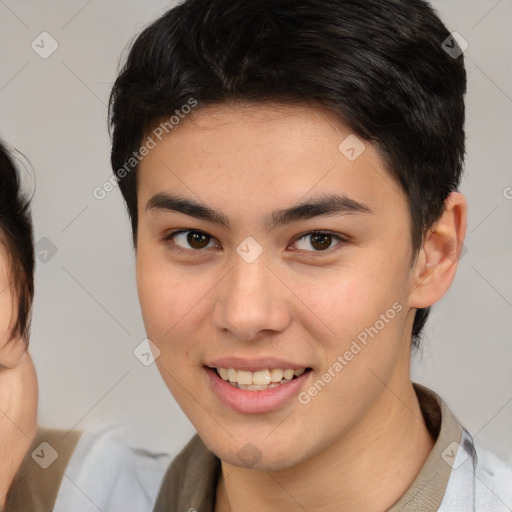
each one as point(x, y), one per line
point(380, 65)
point(16, 238)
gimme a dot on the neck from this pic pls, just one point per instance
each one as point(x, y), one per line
point(368, 469)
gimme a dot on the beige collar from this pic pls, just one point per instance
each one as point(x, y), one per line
point(191, 480)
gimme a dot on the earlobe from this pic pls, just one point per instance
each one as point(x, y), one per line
point(438, 258)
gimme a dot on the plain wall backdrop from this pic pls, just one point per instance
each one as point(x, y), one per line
point(87, 320)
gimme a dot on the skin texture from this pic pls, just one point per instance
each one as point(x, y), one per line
point(18, 389)
point(361, 441)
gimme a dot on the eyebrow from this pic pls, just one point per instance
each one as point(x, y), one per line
point(332, 204)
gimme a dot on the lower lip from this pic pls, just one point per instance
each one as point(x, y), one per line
point(255, 402)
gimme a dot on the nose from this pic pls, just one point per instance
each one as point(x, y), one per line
point(251, 301)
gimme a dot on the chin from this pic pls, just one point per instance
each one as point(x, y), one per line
point(260, 455)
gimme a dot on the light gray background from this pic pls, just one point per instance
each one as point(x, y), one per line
point(86, 315)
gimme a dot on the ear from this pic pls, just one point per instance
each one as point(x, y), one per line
point(437, 260)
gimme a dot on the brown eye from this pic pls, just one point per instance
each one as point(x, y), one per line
point(197, 240)
point(319, 241)
point(188, 239)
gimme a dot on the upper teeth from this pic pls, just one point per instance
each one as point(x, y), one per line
point(261, 377)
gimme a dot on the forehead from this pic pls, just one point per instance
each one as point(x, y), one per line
point(271, 131)
point(257, 153)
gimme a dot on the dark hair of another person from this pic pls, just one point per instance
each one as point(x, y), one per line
point(379, 65)
point(17, 240)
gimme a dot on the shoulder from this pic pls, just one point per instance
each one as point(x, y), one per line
point(106, 472)
point(191, 479)
point(38, 479)
point(493, 481)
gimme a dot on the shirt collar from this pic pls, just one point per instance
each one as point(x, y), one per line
point(426, 492)
point(191, 480)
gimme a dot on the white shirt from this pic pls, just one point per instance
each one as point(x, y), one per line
point(106, 474)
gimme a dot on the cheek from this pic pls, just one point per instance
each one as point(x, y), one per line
point(364, 308)
point(161, 297)
point(169, 298)
point(355, 298)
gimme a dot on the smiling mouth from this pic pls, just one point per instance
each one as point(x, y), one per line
point(260, 380)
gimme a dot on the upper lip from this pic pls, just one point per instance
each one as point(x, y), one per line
point(254, 364)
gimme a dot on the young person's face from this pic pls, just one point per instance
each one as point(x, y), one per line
point(302, 302)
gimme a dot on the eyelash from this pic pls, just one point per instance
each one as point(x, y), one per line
point(169, 238)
